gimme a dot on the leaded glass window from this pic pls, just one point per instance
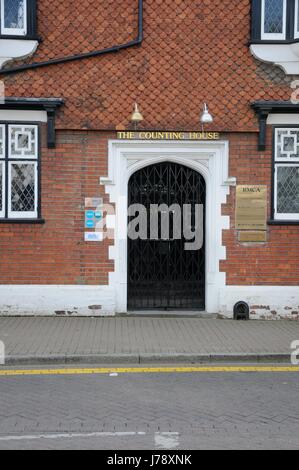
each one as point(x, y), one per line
point(287, 145)
point(288, 189)
point(14, 17)
point(2, 189)
point(287, 174)
point(19, 171)
point(274, 19)
point(2, 170)
point(2, 141)
point(22, 184)
point(22, 141)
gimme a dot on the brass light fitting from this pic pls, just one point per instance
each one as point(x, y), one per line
point(137, 117)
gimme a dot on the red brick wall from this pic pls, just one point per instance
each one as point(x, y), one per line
point(277, 261)
point(55, 253)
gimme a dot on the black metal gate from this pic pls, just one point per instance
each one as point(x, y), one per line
point(161, 273)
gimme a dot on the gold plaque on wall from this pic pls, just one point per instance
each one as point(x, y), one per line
point(251, 207)
point(252, 237)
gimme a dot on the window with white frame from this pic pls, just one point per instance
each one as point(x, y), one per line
point(19, 171)
point(14, 17)
point(273, 19)
point(286, 171)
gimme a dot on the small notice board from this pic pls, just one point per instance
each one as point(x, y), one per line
point(251, 207)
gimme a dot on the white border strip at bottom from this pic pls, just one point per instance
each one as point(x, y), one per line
point(265, 302)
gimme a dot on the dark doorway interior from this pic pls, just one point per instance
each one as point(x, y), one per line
point(161, 273)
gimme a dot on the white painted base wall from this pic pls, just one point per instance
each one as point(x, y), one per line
point(56, 300)
point(266, 302)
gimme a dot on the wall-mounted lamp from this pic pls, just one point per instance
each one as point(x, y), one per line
point(206, 117)
point(137, 117)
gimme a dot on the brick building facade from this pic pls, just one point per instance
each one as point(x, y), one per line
point(71, 74)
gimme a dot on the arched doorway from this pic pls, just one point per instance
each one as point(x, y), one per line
point(162, 273)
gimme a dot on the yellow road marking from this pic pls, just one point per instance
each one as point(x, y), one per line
point(146, 370)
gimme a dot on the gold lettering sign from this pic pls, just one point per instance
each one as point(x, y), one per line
point(166, 135)
point(251, 208)
point(253, 237)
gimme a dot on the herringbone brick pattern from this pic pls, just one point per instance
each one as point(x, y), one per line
point(206, 410)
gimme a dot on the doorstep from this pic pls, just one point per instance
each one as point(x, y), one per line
point(168, 314)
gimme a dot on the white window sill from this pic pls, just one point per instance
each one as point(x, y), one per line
point(285, 56)
point(12, 49)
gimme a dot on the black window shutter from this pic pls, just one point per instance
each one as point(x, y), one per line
point(256, 9)
point(31, 18)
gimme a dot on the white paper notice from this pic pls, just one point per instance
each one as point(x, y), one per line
point(93, 236)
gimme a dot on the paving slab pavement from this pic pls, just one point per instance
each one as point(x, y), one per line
point(144, 340)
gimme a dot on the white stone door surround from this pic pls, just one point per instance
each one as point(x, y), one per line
point(210, 159)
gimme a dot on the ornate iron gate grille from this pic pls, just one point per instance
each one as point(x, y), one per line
point(161, 273)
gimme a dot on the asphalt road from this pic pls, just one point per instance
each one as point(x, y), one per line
point(156, 411)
